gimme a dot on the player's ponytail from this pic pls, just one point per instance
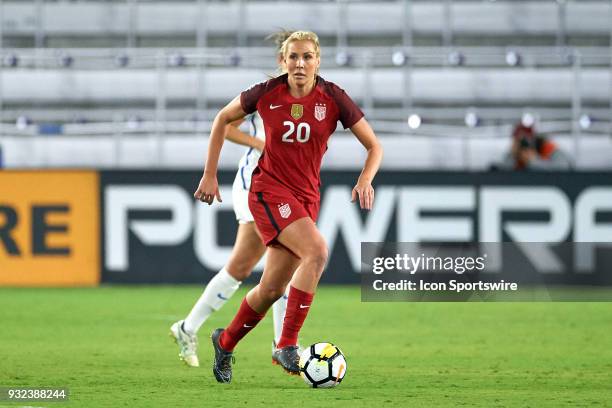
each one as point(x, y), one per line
point(279, 38)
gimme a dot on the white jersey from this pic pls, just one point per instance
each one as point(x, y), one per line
point(248, 162)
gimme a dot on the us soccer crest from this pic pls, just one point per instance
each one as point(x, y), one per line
point(284, 209)
point(319, 111)
point(297, 111)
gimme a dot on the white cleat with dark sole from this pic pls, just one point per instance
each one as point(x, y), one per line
point(188, 344)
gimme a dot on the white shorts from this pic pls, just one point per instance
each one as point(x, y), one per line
point(240, 200)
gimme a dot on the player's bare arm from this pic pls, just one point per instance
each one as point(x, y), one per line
point(235, 135)
point(208, 188)
point(363, 189)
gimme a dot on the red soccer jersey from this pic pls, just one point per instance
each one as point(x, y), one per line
point(297, 131)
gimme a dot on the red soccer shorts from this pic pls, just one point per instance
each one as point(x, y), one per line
point(276, 208)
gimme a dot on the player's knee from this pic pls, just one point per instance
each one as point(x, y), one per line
point(317, 256)
point(239, 273)
point(243, 274)
point(271, 293)
point(242, 268)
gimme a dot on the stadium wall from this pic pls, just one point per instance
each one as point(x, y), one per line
point(67, 228)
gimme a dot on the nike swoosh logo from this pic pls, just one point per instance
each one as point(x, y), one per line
point(272, 107)
point(304, 306)
point(247, 326)
point(220, 296)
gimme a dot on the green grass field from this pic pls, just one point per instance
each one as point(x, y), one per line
point(110, 347)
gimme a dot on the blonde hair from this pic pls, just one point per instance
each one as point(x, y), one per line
point(301, 36)
point(278, 38)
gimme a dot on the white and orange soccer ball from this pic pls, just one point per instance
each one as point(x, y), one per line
point(322, 365)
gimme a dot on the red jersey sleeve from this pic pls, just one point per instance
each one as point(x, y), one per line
point(349, 112)
point(250, 97)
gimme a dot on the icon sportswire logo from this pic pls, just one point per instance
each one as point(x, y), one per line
point(272, 107)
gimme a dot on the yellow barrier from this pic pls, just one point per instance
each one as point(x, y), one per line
point(49, 228)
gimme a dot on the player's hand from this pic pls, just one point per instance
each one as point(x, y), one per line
point(365, 192)
point(208, 189)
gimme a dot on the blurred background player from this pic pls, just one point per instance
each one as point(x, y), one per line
point(300, 111)
point(248, 248)
point(532, 151)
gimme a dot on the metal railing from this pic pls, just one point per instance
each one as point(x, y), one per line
point(338, 18)
point(364, 61)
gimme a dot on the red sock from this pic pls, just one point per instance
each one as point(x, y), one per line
point(243, 323)
point(298, 306)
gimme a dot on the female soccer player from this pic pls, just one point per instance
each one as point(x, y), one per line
point(248, 247)
point(300, 111)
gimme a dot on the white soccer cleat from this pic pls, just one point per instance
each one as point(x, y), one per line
point(188, 344)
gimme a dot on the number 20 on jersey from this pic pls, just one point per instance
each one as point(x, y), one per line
point(301, 132)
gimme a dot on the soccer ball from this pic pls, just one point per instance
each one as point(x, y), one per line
point(322, 365)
